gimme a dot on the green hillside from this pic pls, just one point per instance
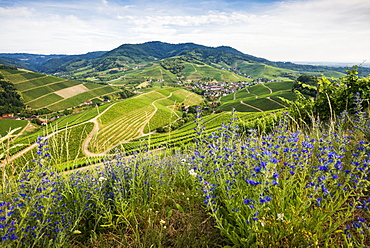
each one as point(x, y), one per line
point(258, 98)
point(44, 91)
point(259, 70)
point(186, 134)
point(137, 116)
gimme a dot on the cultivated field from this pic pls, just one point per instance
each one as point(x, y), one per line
point(259, 98)
point(140, 115)
point(42, 91)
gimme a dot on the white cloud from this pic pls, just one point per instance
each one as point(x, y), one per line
point(326, 30)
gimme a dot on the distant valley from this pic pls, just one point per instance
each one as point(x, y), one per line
point(140, 93)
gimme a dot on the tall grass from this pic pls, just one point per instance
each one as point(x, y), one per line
point(287, 188)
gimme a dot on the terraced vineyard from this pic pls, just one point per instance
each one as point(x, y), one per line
point(196, 72)
point(65, 145)
point(158, 76)
point(187, 134)
point(42, 91)
point(258, 98)
point(137, 116)
point(258, 70)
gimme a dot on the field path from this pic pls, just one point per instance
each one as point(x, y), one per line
point(85, 143)
point(276, 102)
point(251, 106)
point(268, 88)
point(141, 130)
point(250, 92)
point(93, 132)
point(196, 71)
point(34, 145)
point(21, 132)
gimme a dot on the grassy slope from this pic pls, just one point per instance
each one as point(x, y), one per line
point(38, 90)
point(258, 97)
point(186, 133)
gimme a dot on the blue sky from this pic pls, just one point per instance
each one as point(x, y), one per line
point(290, 30)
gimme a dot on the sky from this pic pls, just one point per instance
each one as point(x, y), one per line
point(289, 30)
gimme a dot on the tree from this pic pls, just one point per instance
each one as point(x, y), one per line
point(303, 83)
point(332, 97)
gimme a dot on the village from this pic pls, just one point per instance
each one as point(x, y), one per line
point(216, 89)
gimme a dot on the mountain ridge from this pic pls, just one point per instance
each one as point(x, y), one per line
point(127, 55)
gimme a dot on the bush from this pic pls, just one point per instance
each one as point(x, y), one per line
point(332, 98)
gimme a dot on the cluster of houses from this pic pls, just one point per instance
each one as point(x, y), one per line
point(10, 116)
point(217, 89)
point(43, 122)
point(153, 80)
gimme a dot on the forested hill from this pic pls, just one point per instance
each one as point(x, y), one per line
point(127, 55)
point(10, 100)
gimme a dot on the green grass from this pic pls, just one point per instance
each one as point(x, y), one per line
point(278, 86)
point(162, 117)
point(127, 126)
point(63, 85)
point(18, 76)
point(230, 105)
point(92, 86)
point(257, 70)
point(65, 146)
point(206, 71)
point(125, 106)
point(288, 187)
point(45, 101)
point(7, 72)
point(259, 90)
point(7, 125)
point(185, 134)
point(77, 118)
point(258, 97)
point(33, 94)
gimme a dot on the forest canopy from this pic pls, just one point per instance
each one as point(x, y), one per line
point(10, 100)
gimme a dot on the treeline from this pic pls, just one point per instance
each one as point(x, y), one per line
point(211, 56)
point(324, 98)
point(362, 71)
point(174, 66)
point(10, 100)
point(8, 67)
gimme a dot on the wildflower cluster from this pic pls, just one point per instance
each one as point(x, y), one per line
point(32, 208)
point(283, 188)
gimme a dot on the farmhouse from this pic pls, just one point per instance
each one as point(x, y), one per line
point(7, 115)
